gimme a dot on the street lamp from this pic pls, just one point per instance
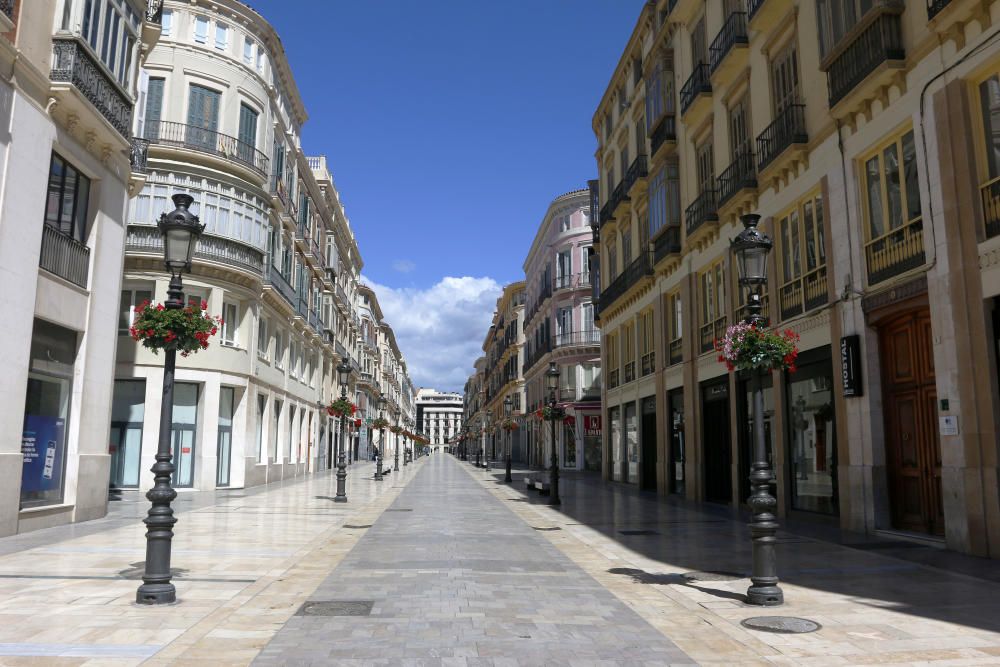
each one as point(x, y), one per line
point(507, 406)
point(751, 248)
point(381, 440)
point(180, 229)
point(406, 450)
point(552, 384)
point(395, 448)
point(343, 373)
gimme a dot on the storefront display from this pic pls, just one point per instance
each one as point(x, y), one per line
point(812, 442)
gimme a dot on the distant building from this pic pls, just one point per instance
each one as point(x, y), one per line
point(439, 415)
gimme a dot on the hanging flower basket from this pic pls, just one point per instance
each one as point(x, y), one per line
point(548, 413)
point(509, 425)
point(185, 330)
point(380, 423)
point(396, 429)
point(357, 423)
point(342, 408)
point(747, 347)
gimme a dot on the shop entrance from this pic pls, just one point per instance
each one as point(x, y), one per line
point(716, 443)
point(649, 443)
point(913, 449)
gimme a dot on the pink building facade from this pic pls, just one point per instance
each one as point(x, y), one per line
point(559, 327)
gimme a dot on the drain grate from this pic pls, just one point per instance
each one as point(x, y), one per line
point(786, 625)
point(638, 532)
point(550, 528)
point(337, 608)
point(351, 525)
point(712, 575)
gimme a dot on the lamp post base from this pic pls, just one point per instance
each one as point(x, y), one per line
point(506, 477)
point(765, 595)
point(151, 594)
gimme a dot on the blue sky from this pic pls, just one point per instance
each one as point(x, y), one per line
point(450, 125)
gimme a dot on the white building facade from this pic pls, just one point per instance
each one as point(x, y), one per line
point(438, 415)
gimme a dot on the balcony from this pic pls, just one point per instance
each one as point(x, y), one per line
point(64, 256)
point(139, 155)
point(990, 193)
point(192, 137)
point(701, 215)
point(647, 364)
point(675, 351)
point(870, 55)
point(667, 243)
point(663, 135)
point(613, 377)
point(784, 141)
point(73, 64)
point(146, 239)
point(711, 332)
point(698, 88)
point(640, 268)
point(629, 372)
point(934, 7)
point(572, 281)
point(894, 253)
point(635, 178)
point(728, 50)
point(738, 183)
point(804, 294)
point(274, 280)
point(590, 338)
point(763, 14)
point(7, 8)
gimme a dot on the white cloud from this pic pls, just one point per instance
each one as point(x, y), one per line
point(440, 329)
point(403, 265)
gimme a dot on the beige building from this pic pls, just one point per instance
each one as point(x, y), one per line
point(862, 132)
point(68, 164)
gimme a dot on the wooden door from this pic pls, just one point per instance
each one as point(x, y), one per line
point(913, 448)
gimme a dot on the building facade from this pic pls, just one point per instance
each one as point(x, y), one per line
point(439, 416)
point(559, 328)
point(70, 89)
point(862, 133)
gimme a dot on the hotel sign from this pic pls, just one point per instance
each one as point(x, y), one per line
point(850, 365)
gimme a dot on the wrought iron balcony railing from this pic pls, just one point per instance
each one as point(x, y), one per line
point(64, 256)
point(204, 140)
point(638, 169)
point(647, 364)
point(895, 252)
point(712, 331)
point(73, 63)
point(698, 83)
point(702, 210)
point(613, 377)
point(139, 155)
point(572, 280)
point(934, 7)
point(578, 339)
point(788, 128)
point(210, 248)
point(804, 293)
point(629, 372)
point(641, 266)
point(742, 173)
point(667, 243)
point(154, 11)
point(880, 42)
point(733, 32)
point(990, 194)
point(273, 277)
point(676, 351)
point(753, 6)
point(665, 130)
point(7, 8)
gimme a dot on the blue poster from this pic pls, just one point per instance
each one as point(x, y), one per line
point(42, 449)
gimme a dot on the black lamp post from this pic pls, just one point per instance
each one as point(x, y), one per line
point(406, 450)
point(751, 248)
point(507, 406)
point(395, 449)
point(552, 384)
point(343, 372)
point(180, 229)
point(381, 440)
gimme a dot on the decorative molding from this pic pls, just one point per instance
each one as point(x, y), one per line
point(895, 294)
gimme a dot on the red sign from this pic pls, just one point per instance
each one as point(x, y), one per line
point(185, 450)
point(592, 424)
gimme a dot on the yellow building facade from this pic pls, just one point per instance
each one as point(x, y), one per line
point(864, 132)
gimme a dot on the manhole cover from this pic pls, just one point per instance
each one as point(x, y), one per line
point(400, 510)
point(712, 575)
point(550, 528)
point(638, 532)
point(783, 624)
point(351, 525)
point(336, 608)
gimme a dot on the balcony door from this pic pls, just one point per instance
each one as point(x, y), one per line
point(203, 118)
point(154, 109)
point(699, 43)
point(706, 168)
point(784, 79)
point(247, 135)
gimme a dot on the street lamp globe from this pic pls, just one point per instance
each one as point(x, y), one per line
point(343, 372)
point(180, 229)
point(507, 405)
point(751, 247)
point(552, 377)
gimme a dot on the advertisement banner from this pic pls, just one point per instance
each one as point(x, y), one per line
point(41, 449)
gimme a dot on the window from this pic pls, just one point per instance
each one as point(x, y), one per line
point(166, 23)
point(224, 444)
point(274, 431)
point(785, 79)
point(713, 304)
point(279, 351)
point(260, 61)
point(989, 100)
point(646, 342)
point(837, 18)
point(892, 209)
point(262, 338)
point(802, 257)
point(613, 360)
point(626, 248)
point(110, 27)
point(565, 222)
point(230, 323)
point(68, 197)
point(674, 327)
point(247, 51)
point(706, 167)
point(628, 351)
point(200, 29)
point(739, 128)
point(221, 36)
point(131, 299)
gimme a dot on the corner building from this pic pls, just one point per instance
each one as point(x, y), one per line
point(222, 116)
point(863, 134)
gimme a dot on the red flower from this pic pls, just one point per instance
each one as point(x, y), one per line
point(170, 336)
point(215, 330)
point(149, 332)
point(204, 304)
point(159, 306)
